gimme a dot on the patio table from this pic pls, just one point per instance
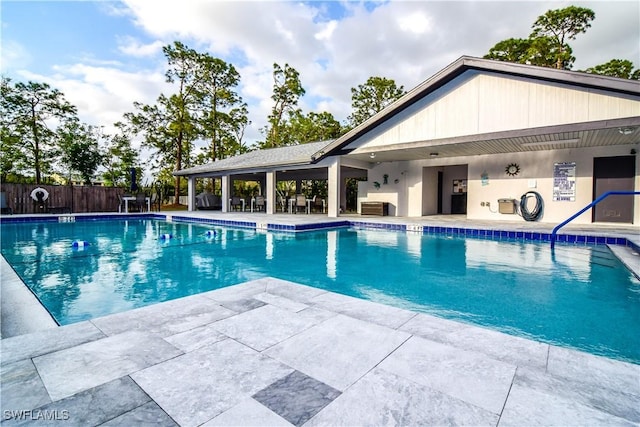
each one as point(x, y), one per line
point(127, 199)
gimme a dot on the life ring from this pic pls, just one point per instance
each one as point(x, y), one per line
point(34, 194)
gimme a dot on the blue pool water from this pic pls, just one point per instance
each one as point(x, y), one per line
point(579, 296)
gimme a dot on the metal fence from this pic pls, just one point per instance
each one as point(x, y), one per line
point(31, 198)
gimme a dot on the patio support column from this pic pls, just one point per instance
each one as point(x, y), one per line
point(271, 192)
point(335, 188)
point(343, 194)
point(226, 192)
point(191, 193)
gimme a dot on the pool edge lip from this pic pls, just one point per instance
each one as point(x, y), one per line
point(628, 256)
point(21, 312)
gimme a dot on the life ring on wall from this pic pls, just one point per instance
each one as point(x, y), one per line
point(34, 194)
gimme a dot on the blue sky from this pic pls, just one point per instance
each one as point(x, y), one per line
point(105, 55)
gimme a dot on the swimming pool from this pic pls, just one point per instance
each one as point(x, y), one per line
point(581, 297)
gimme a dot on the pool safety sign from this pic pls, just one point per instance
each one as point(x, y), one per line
point(564, 182)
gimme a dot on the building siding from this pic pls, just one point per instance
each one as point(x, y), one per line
point(486, 102)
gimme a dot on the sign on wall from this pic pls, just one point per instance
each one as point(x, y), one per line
point(564, 182)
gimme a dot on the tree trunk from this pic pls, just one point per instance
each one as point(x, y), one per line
point(176, 191)
point(36, 145)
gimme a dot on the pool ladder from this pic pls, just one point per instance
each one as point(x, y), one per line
point(586, 208)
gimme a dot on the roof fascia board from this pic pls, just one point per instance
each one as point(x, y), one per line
point(546, 130)
point(574, 78)
point(257, 169)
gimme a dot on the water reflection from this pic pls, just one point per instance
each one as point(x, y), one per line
point(571, 296)
point(332, 253)
point(269, 246)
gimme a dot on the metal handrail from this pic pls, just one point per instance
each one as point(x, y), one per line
point(586, 208)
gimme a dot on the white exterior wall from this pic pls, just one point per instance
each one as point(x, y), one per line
point(487, 102)
point(537, 169)
point(389, 192)
point(416, 190)
point(429, 192)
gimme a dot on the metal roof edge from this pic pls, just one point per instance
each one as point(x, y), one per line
point(196, 170)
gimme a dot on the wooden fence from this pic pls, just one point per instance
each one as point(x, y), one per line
point(62, 198)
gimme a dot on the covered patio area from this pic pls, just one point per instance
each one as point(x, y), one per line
point(278, 180)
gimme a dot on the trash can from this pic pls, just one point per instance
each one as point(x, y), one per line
point(507, 206)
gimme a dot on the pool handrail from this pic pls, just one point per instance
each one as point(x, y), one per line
point(586, 208)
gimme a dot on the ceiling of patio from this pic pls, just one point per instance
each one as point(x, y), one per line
point(472, 146)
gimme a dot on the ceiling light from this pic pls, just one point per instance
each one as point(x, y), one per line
point(372, 155)
point(628, 130)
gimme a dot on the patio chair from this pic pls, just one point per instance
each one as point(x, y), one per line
point(4, 208)
point(260, 203)
point(301, 202)
point(155, 202)
point(141, 202)
point(318, 204)
point(236, 203)
point(281, 202)
point(120, 203)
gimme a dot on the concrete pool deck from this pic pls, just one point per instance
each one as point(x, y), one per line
point(271, 352)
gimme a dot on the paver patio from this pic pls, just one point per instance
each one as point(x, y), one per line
point(271, 352)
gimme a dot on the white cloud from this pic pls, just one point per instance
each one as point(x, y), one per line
point(132, 47)
point(14, 56)
point(416, 23)
point(101, 94)
point(327, 31)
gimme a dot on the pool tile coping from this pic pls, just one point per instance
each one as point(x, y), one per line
point(538, 383)
point(592, 238)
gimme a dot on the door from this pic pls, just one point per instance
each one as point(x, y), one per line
point(613, 174)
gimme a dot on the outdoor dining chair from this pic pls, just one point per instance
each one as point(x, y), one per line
point(141, 202)
point(260, 203)
point(236, 203)
point(301, 202)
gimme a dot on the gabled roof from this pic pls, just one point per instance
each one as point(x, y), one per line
point(466, 63)
point(292, 155)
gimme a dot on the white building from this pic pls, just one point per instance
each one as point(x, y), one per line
point(476, 132)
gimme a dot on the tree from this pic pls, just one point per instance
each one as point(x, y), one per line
point(621, 68)
point(169, 130)
point(561, 25)
point(372, 97)
point(544, 52)
point(287, 90)
point(539, 51)
point(312, 127)
point(27, 110)
point(12, 159)
point(227, 116)
point(170, 127)
point(79, 150)
point(547, 46)
point(119, 158)
point(510, 50)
